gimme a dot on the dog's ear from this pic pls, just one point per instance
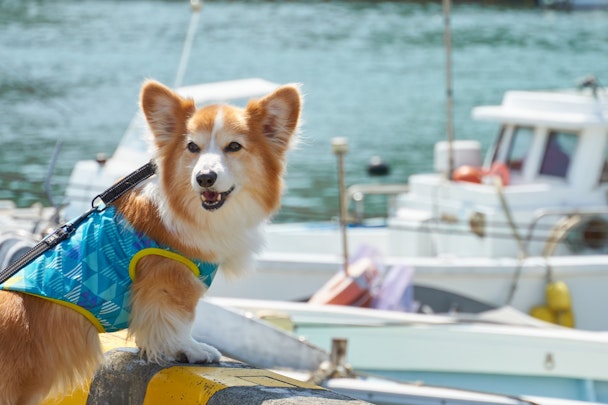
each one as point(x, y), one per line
point(165, 111)
point(278, 115)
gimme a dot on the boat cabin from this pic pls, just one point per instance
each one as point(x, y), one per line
point(551, 137)
point(549, 162)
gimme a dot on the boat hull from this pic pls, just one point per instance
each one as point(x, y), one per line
point(296, 276)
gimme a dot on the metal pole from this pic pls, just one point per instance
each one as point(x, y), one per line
point(340, 148)
point(196, 6)
point(447, 38)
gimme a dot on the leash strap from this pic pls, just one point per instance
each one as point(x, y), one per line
point(65, 231)
point(50, 241)
point(126, 184)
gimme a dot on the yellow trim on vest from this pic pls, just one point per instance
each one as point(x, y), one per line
point(90, 317)
point(164, 253)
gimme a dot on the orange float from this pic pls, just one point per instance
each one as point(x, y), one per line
point(349, 289)
point(474, 174)
point(469, 174)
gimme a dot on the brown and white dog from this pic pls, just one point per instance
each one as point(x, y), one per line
point(219, 179)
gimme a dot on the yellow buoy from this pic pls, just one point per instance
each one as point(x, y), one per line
point(558, 296)
point(565, 318)
point(543, 313)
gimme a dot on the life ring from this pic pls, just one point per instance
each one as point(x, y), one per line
point(469, 174)
point(501, 170)
point(349, 289)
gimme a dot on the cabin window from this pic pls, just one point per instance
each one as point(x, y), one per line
point(559, 149)
point(519, 147)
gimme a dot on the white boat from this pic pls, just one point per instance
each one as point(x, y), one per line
point(501, 351)
point(497, 244)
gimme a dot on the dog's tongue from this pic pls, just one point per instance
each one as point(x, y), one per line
point(210, 195)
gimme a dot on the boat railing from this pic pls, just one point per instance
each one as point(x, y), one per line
point(593, 233)
point(357, 193)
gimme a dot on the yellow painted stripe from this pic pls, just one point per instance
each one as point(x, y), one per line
point(78, 397)
point(196, 385)
point(180, 385)
point(249, 377)
point(188, 384)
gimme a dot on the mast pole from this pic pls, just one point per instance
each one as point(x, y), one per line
point(196, 6)
point(447, 39)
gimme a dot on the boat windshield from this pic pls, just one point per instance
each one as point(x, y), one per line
point(520, 144)
point(559, 149)
point(512, 146)
point(517, 148)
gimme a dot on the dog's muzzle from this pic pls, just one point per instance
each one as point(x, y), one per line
point(210, 197)
point(213, 199)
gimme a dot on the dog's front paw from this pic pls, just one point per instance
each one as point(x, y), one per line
point(197, 352)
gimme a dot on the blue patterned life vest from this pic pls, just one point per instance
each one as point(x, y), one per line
point(93, 269)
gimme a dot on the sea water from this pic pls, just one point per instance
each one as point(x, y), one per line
point(373, 72)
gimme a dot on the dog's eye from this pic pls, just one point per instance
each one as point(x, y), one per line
point(233, 147)
point(192, 147)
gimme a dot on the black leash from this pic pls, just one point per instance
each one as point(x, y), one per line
point(126, 184)
point(62, 233)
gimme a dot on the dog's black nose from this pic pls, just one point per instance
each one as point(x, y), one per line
point(206, 179)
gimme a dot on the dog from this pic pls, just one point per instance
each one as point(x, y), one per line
point(219, 180)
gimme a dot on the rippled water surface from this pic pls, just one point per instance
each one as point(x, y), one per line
point(373, 72)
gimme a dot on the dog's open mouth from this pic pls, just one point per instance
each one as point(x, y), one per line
point(213, 199)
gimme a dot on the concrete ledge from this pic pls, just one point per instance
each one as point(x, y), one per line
point(125, 379)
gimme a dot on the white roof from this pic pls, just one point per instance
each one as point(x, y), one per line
point(562, 109)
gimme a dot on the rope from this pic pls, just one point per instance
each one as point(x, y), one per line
point(510, 221)
point(515, 233)
point(559, 232)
